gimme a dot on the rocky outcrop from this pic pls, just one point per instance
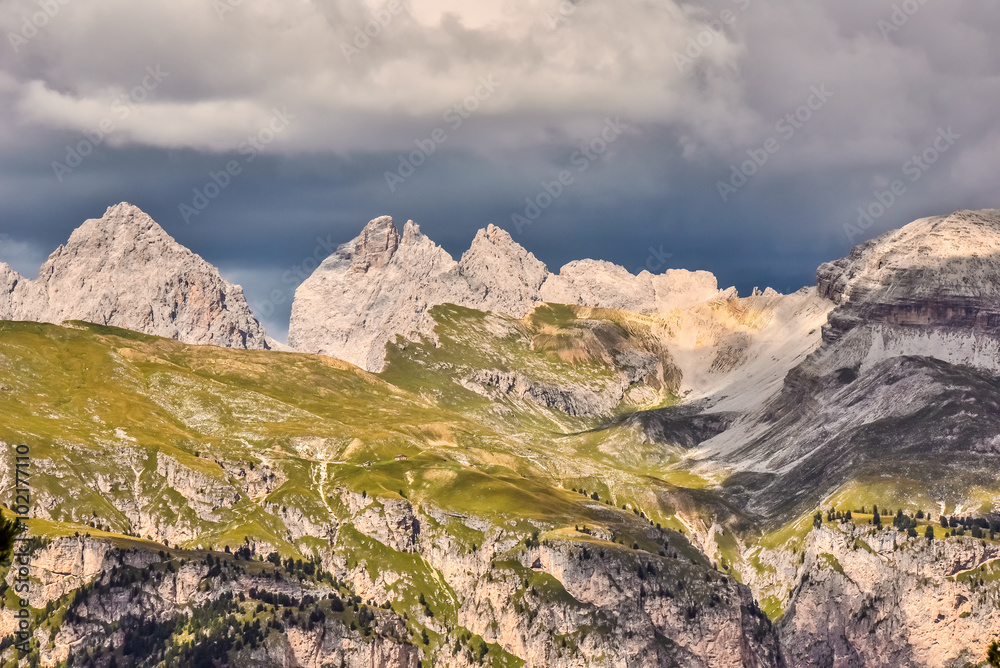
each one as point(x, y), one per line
point(908, 361)
point(658, 618)
point(570, 399)
point(371, 289)
point(380, 285)
point(931, 287)
point(941, 270)
point(607, 285)
point(502, 276)
point(878, 598)
point(124, 597)
point(124, 270)
point(564, 603)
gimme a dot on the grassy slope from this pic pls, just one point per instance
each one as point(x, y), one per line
point(97, 401)
point(105, 408)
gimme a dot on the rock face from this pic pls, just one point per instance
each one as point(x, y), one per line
point(941, 275)
point(107, 593)
point(941, 270)
point(615, 606)
point(380, 285)
point(907, 368)
point(867, 597)
point(369, 290)
point(599, 283)
point(124, 270)
point(501, 275)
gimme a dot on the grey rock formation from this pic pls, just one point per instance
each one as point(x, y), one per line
point(501, 275)
point(371, 289)
point(941, 271)
point(908, 360)
point(867, 597)
point(607, 285)
point(380, 285)
point(124, 270)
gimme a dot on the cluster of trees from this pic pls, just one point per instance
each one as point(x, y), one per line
point(979, 527)
point(594, 495)
point(427, 608)
point(297, 568)
point(834, 515)
point(475, 648)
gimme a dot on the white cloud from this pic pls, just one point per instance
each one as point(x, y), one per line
point(562, 65)
point(554, 59)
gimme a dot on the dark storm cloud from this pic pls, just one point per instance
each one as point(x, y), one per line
point(835, 99)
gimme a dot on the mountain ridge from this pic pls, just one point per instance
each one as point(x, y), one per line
point(363, 295)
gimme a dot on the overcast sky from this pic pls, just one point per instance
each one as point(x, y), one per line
point(457, 114)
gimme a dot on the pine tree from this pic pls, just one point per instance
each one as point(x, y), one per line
point(993, 654)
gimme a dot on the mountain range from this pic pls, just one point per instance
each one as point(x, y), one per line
point(483, 462)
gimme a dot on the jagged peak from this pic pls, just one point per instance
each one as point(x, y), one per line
point(124, 209)
point(376, 245)
point(122, 221)
point(412, 233)
point(7, 271)
point(495, 235)
point(129, 215)
point(495, 242)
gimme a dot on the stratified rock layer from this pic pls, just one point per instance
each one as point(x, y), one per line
point(941, 271)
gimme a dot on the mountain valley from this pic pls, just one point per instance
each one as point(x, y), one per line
point(481, 462)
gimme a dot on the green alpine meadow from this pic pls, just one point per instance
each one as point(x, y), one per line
point(484, 463)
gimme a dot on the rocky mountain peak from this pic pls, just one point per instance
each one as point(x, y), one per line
point(124, 270)
point(123, 230)
point(412, 233)
point(503, 275)
point(125, 214)
point(376, 245)
point(930, 289)
point(955, 256)
point(378, 286)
